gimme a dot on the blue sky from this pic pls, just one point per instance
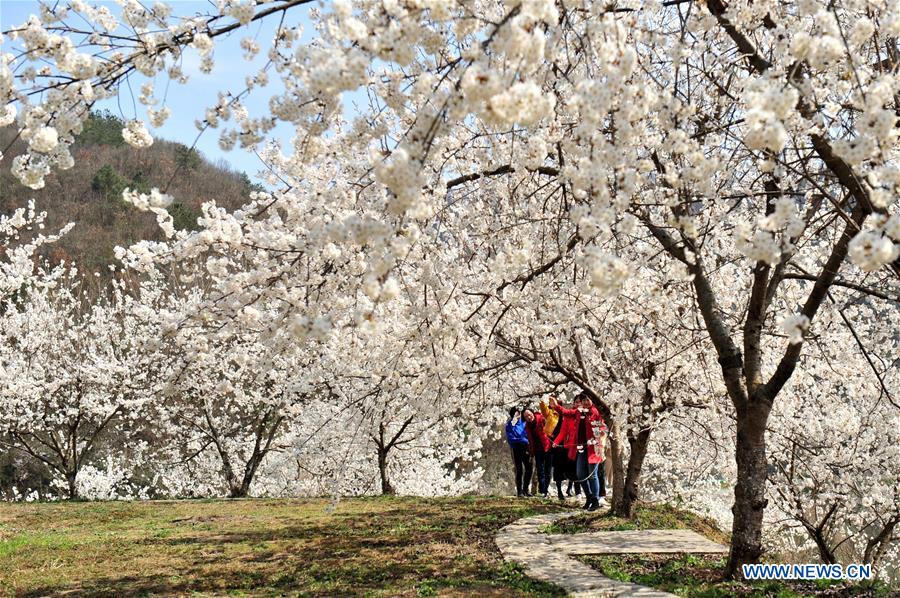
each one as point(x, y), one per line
point(188, 102)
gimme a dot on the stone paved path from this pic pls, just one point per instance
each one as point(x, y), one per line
point(651, 540)
point(548, 556)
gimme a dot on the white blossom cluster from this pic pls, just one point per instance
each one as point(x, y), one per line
point(21, 240)
point(686, 208)
point(833, 457)
point(877, 246)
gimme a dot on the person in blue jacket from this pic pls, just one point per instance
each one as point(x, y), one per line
point(517, 438)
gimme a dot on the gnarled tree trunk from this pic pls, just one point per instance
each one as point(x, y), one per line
point(750, 488)
point(617, 456)
point(386, 487)
point(383, 446)
point(71, 484)
point(636, 456)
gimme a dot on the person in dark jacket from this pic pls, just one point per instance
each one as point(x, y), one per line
point(539, 447)
point(517, 437)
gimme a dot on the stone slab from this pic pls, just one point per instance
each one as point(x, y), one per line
point(542, 559)
point(637, 541)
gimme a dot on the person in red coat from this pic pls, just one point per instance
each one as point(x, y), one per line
point(583, 434)
point(539, 446)
point(563, 467)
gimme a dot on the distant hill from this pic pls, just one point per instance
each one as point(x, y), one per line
point(89, 194)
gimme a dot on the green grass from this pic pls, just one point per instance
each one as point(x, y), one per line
point(691, 575)
point(700, 576)
point(26, 543)
point(363, 547)
point(646, 516)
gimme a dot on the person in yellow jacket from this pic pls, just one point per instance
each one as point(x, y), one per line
point(563, 469)
point(551, 418)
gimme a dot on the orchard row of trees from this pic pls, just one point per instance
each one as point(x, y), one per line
point(686, 209)
point(117, 397)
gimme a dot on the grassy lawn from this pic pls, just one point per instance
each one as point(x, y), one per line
point(366, 546)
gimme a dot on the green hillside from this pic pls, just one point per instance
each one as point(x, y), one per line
point(90, 193)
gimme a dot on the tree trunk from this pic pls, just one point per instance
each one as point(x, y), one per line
point(750, 489)
point(877, 546)
point(234, 485)
point(238, 491)
point(73, 488)
point(263, 441)
point(636, 458)
point(817, 533)
point(243, 491)
point(617, 455)
point(386, 488)
point(825, 552)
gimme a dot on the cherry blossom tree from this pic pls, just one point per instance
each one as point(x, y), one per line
point(753, 144)
point(399, 404)
point(233, 401)
point(635, 355)
point(344, 449)
point(71, 371)
point(20, 239)
point(835, 447)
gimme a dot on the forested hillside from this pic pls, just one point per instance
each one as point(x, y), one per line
point(90, 193)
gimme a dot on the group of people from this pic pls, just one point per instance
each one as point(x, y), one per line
point(567, 443)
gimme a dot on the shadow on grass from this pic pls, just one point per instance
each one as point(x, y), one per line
point(411, 550)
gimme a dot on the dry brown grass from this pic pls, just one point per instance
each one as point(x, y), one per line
point(373, 546)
